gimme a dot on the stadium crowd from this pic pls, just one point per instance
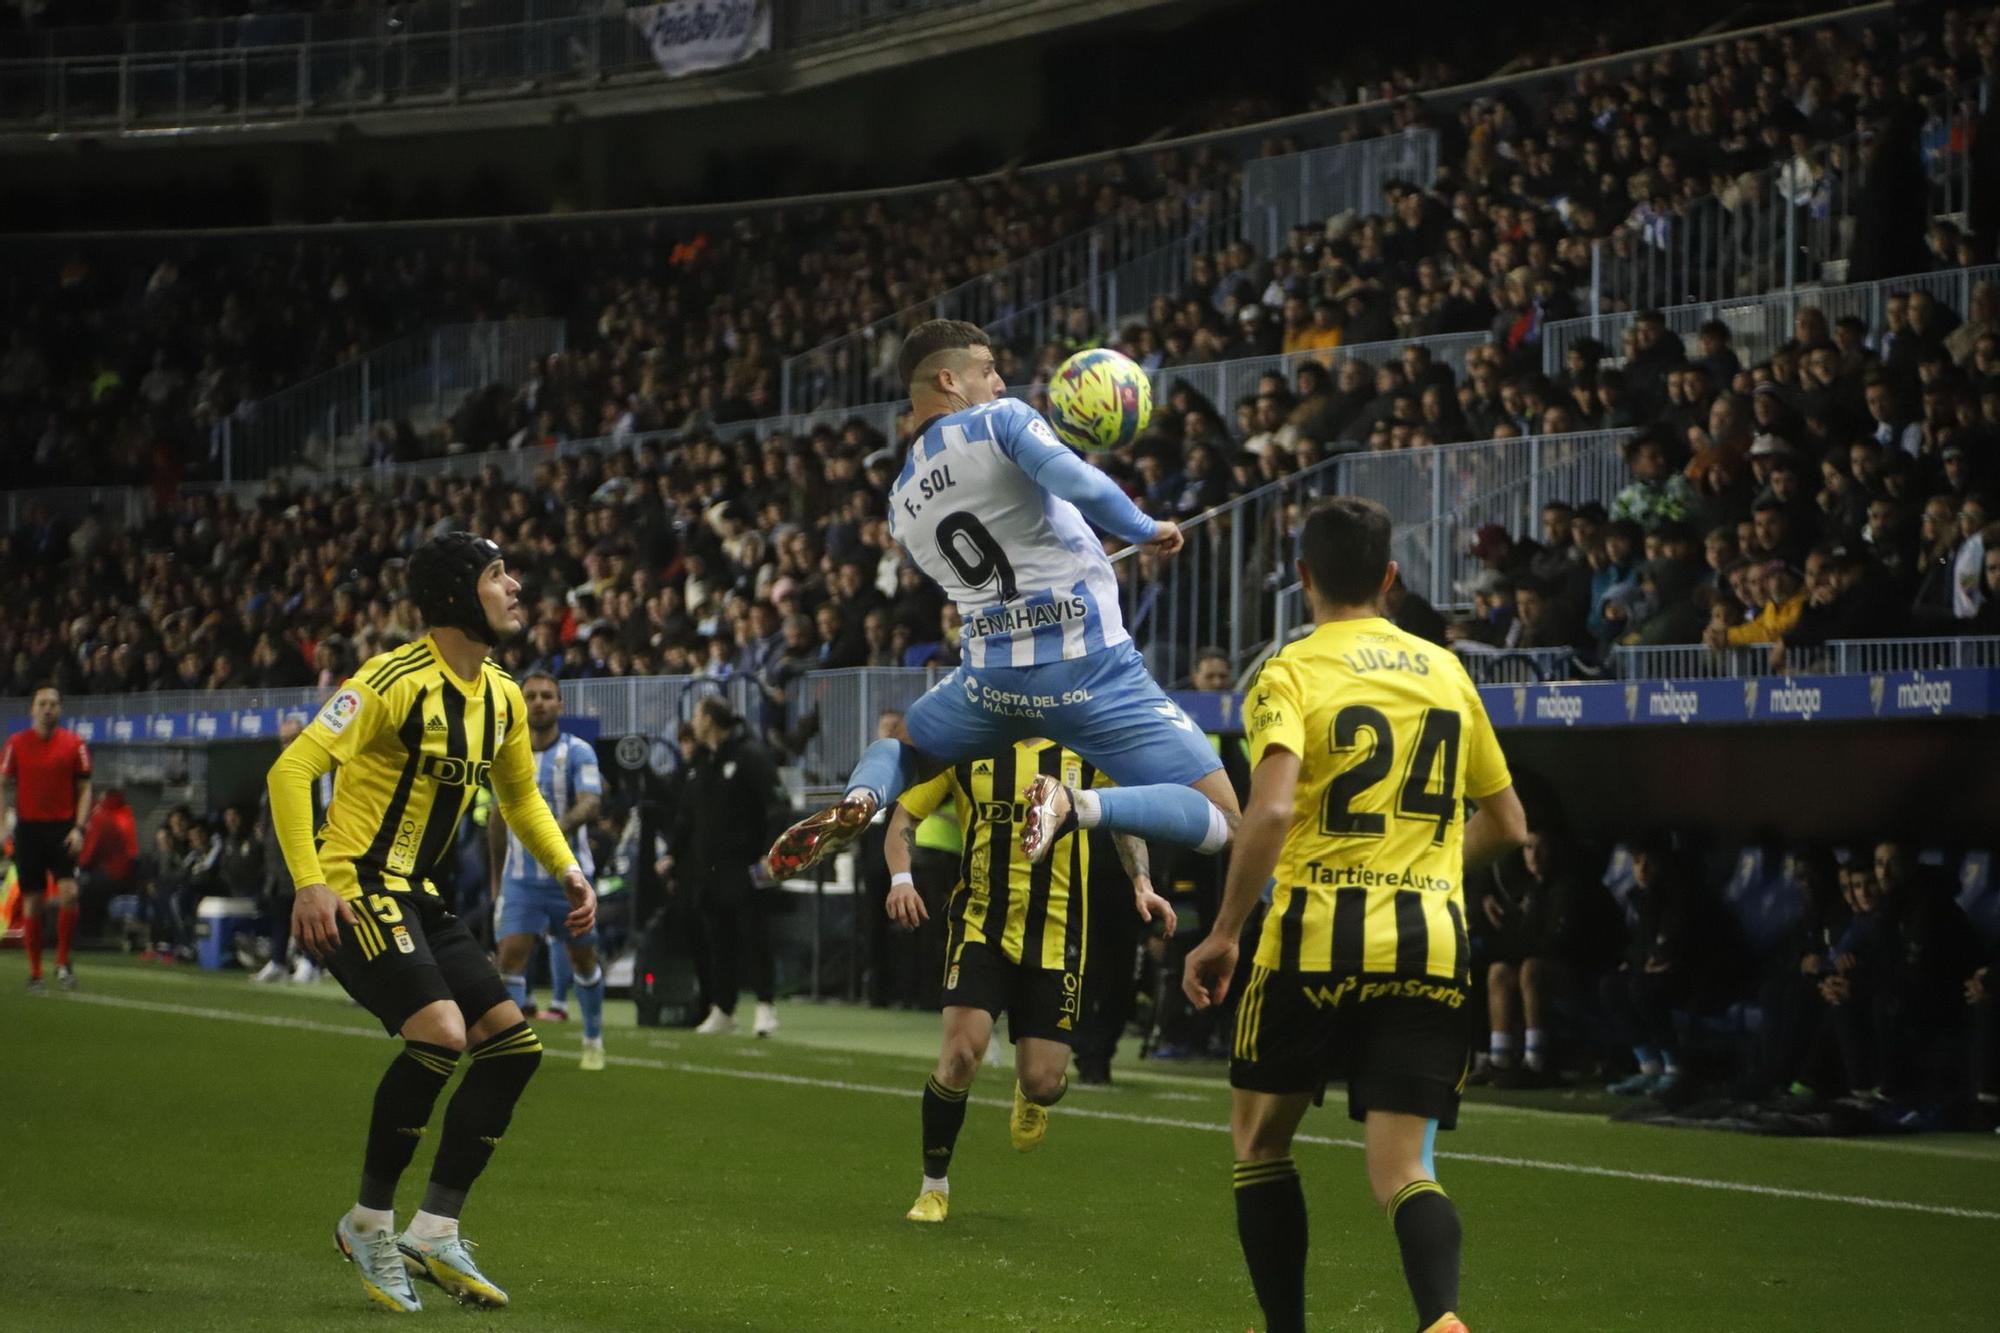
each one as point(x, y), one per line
point(121, 359)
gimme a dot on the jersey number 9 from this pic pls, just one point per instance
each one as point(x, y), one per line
point(974, 556)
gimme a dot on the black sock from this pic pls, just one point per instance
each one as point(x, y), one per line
point(1271, 1224)
point(1427, 1228)
point(479, 1113)
point(403, 1102)
point(944, 1116)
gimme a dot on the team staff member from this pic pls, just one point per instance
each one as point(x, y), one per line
point(1014, 942)
point(45, 781)
point(416, 732)
point(720, 831)
point(1365, 743)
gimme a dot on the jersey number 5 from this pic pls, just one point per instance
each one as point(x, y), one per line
point(1435, 754)
point(973, 554)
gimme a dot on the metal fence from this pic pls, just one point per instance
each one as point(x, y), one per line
point(1305, 189)
point(1440, 496)
point(1023, 303)
point(294, 66)
point(1759, 325)
point(324, 420)
point(1231, 586)
point(1838, 657)
point(1790, 224)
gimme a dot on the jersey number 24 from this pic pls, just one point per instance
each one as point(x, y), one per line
point(1435, 754)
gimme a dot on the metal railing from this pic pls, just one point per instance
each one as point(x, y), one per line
point(1440, 496)
point(1228, 588)
point(1791, 224)
point(1690, 661)
point(1023, 303)
point(1837, 657)
point(1515, 666)
point(1305, 189)
point(1759, 325)
point(324, 420)
point(294, 66)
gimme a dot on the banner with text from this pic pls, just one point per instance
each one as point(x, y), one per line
point(692, 35)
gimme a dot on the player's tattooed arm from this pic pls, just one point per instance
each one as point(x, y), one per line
point(1132, 854)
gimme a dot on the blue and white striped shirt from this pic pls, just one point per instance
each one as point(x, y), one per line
point(566, 770)
point(998, 511)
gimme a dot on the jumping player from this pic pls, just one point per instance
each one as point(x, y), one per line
point(999, 512)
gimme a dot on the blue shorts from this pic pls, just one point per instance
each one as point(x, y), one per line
point(1107, 707)
point(536, 907)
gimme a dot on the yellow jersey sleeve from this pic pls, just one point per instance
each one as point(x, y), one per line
point(924, 799)
point(519, 799)
point(348, 722)
point(290, 783)
point(1485, 766)
point(1274, 714)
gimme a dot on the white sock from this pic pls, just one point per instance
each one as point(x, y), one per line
point(1089, 809)
point(1535, 1037)
point(1217, 836)
point(371, 1219)
point(429, 1226)
point(937, 1183)
point(1501, 1045)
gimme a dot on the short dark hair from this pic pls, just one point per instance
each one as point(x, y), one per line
point(934, 336)
point(48, 685)
point(717, 710)
point(541, 673)
point(1345, 547)
point(1204, 654)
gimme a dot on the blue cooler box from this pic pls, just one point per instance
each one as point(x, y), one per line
point(217, 922)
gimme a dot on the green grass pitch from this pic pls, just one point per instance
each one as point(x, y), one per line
point(180, 1144)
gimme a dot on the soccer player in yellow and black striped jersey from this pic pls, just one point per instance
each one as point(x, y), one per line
point(416, 733)
point(1365, 743)
point(1014, 941)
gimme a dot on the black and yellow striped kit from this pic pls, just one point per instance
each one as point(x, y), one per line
point(1035, 916)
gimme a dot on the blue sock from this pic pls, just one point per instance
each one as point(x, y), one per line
point(590, 998)
point(561, 975)
point(1168, 813)
point(517, 988)
point(888, 769)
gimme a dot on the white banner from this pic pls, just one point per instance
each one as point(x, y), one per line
point(691, 35)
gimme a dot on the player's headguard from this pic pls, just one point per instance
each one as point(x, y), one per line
point(444, 582)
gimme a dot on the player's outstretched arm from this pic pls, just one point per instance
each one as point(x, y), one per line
point(1027, 440)
point(1260, 838)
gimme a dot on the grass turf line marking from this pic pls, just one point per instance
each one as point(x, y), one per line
point(1091, 1113)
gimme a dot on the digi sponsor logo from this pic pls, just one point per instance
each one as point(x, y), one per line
point(1680, 705)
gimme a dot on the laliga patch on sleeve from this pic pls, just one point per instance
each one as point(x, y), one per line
point(1040, 430)
point(340, 710)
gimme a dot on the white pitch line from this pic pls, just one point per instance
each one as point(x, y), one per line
point(1091, 1113)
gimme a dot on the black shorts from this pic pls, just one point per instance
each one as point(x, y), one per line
point(1403, 1044)
point(1038, 1001)
point(41, 851)
point(406, 951)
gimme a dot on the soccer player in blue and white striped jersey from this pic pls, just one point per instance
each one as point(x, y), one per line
point(530, 903)
point(1004, 517)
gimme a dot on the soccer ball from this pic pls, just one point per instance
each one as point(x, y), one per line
point(1099, 399)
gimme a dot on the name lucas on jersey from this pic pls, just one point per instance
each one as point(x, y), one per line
point(933, 484)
